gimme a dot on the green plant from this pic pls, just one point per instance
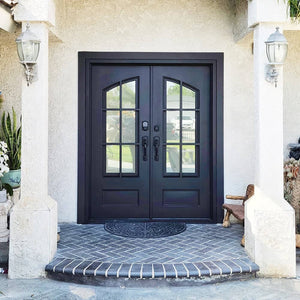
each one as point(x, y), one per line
point(7, 187)
point(293, 5)
point(294, 8)
point(1, 99)
point(12, 136)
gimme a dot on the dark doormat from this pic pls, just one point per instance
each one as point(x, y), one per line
point(145, 229)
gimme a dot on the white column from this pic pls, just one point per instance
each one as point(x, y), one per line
point(269, 222)
point(269, 119)
point(33, 223)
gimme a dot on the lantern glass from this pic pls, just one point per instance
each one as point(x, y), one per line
point(276, 52)
point(28, 51)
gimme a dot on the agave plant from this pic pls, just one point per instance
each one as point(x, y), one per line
point(12, 136)
point(295, 8)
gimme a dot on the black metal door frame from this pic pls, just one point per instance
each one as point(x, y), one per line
point(87, 59)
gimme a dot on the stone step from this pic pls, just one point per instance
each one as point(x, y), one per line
point(102, 273)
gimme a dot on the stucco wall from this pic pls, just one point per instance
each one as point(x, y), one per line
point(291, 116)
point(10, 72)
point(174, 26)
point(134, 25)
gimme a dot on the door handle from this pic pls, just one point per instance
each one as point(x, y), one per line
point(156, 141)
point(144, 145)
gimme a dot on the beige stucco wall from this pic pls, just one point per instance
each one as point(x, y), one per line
point(135, 25)
point(174, 26)
point(10, 72)
point(291, 116)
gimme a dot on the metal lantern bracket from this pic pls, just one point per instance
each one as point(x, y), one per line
point(30, 72)
point(272, 73)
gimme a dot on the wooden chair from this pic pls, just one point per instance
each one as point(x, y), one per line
point(237, 210)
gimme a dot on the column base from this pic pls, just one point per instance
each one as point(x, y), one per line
point(33, 230)
point(4, 209)
point(270, 235)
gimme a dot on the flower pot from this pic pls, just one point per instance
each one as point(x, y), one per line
point(13, 178)
point(3, 196)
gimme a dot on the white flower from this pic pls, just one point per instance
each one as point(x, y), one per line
point(3, 159)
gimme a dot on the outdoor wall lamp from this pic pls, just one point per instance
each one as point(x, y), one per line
point(28, 47)
point(276, 49)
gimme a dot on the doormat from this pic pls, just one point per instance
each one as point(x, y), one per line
point(145, 229)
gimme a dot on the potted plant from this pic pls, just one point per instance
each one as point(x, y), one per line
point(292, 191)
point(11, 134)
point(4, 187)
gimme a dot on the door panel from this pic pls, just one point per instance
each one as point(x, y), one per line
point(181, 181)
point(119, 175)
point(150, 142)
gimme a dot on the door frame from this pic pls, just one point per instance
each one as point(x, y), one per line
point(85, 62)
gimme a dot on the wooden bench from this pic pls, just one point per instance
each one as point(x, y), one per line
point(237, 210)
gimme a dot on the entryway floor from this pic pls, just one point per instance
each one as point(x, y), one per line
point(202, 250)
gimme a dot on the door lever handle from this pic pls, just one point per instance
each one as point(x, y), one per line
point(145, 145)
point(156, 142)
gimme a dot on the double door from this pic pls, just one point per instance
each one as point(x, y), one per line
point(150, 142)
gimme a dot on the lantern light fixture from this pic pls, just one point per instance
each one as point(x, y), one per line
point(276, 50)
point(28, 47)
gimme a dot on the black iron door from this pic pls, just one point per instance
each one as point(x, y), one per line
point(120, 146)
point(150, 141)
point(181, 163)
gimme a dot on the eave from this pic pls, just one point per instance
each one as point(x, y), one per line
point(6, 20)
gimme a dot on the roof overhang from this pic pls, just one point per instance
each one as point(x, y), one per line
point(6, 20)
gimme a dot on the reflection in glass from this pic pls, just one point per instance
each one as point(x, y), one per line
point(128, 159)
point(173, 126)
point(172, 162)
point(112, 159)
point(188, 159)
point(128, 126)
point(188, 98)
point(112, 126)
point(113, 98)
point(188, 126)
point(173, 95)
point(128, 95)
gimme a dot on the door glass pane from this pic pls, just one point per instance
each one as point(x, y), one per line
point(128, 159)
point(173, 126)
point(173, 95)
point(188, 126)
point(188, 98)
point(128, 126)
point(128, 95)
point(112, 159)
point(112, 126)
point(188, 159)
point(113, 98)
point(172, 162)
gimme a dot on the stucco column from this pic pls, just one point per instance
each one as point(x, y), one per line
point(269, 222)
point(33, 223)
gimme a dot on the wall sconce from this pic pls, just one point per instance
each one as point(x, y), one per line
point(28, 47)
point(276, 49)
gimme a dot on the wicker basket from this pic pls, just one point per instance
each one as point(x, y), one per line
point(295, 203)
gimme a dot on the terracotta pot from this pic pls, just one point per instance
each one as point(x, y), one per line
point(298, 240)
